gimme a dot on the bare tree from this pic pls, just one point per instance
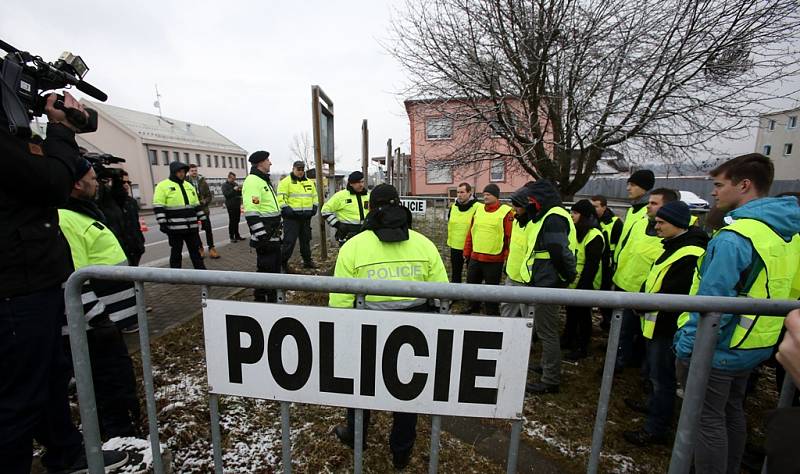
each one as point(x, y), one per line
point(560, 81)
point(302, 148)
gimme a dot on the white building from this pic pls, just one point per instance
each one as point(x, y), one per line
point(778, 138)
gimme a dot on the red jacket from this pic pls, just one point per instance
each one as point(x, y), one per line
point(483, 257)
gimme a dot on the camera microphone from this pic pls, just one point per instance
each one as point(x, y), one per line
point(91, 90)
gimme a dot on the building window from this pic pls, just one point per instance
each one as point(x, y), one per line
point(439, 128)
point(208, 161)
point(436, 173)
point(498, 170)
point(197, 157)
point(230, 162)
point(770, 125)
point(153, 157)
point(165, 157)
point(216, 161)
point(176, 156)
point(186, 159)
point(787, 149)
point(792, 122)
point(767, 150)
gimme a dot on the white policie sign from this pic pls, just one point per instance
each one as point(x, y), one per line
point(416, 206)
point(395, 361)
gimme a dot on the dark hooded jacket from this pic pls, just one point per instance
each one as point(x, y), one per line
point(555, 272)
point(678, 279)
point(389, 222)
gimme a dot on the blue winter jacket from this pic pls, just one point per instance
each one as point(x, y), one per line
point(727, 257)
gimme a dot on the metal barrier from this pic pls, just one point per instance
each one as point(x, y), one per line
point(705, 343)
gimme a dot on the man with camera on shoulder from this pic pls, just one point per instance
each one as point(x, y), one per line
point(34, 262)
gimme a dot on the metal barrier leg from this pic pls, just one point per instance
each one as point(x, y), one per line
point(147, 376)
point(82, 365)
point(436, 431)
point(287, 438)
point(216, 435)
point(784, 400)
point(513, 447)
point(695, 393)
point(605, 391)
point(358, 438)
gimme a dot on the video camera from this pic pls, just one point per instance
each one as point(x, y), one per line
point(24, 76)
point(100, 162)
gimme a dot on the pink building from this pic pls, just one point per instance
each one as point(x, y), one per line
point(448, 147)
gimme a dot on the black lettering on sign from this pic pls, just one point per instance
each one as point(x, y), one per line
point(444, 355)
point(280, 330)
point(472, 367)
point(368, 359)
point(399, 337)
point(235, 325)
point(328, 382)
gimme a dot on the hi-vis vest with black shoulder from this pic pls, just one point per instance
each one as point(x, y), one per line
point(458, 225)
point(488, 229)
point(581, 259)
point(177, 206)
point(638, 253)
point(532, 234)
point(774, 281)
point(607, 228)
point(656, 278)
point(631, 218)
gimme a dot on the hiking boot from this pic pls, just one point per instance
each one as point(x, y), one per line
point(401, 459)
point(541, 387)
point(347, 438)
point(111, 460)
point(310, 264)
point(212, 252)
point(642, 438)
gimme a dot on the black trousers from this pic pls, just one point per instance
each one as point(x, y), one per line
point(193, 244)
point(404, 429)
point(114, 380)
point(456, 264)
point(206, 226)
point(294, 229)
point(33, 384)
point(233, 223)
point(578, 328)
point(489, 273)
point(268, 260)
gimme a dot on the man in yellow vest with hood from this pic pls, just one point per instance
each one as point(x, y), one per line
point(756, 243)
point(387, 249)
point(542, 254)
point(177, 210)
point(671, 273)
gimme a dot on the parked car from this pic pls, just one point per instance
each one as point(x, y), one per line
point(693, 200)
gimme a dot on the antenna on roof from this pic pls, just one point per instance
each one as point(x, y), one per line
point(157, 103)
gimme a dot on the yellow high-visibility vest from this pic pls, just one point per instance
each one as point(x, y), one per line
point(533, 234)
point(488, 230)
point(590, 236)
point(458, 225)
point(636, 257)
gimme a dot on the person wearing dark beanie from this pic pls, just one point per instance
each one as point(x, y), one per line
point(676, 213)
point(346, 210)
point(645, 179)
point(492, 189)
point(591, 243)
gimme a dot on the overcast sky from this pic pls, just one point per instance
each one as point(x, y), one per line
point(244, 68)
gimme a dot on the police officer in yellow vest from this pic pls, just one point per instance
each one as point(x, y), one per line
point(671, 273)
point(387, 250)
point(611, 226)
point(459, 217)
point(486, 244)
point(105, 303)
point(345, 211)
point(755, 244)
point(591, 246)
point(263, 215)
point(641, 247)
point(177, 210)
point(297, 196)
point(542, 253)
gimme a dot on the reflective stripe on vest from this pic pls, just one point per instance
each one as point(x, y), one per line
point(631, 218)
point(300, 195)
point(774, 281)
point(90, 242)
point(683, 318)
point(607, 229)
point(655, 278)
point(458, 225)
point(533, 234)
point(581, 259)
point(518, 251)
point(636, 258)
point(488, 230)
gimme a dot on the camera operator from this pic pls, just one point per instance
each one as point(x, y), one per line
point(121, 211)
point(34, 262)
point(132, 235)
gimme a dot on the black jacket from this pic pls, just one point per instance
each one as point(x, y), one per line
point(37, 178)
point(233, 198)
point(678, 279)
